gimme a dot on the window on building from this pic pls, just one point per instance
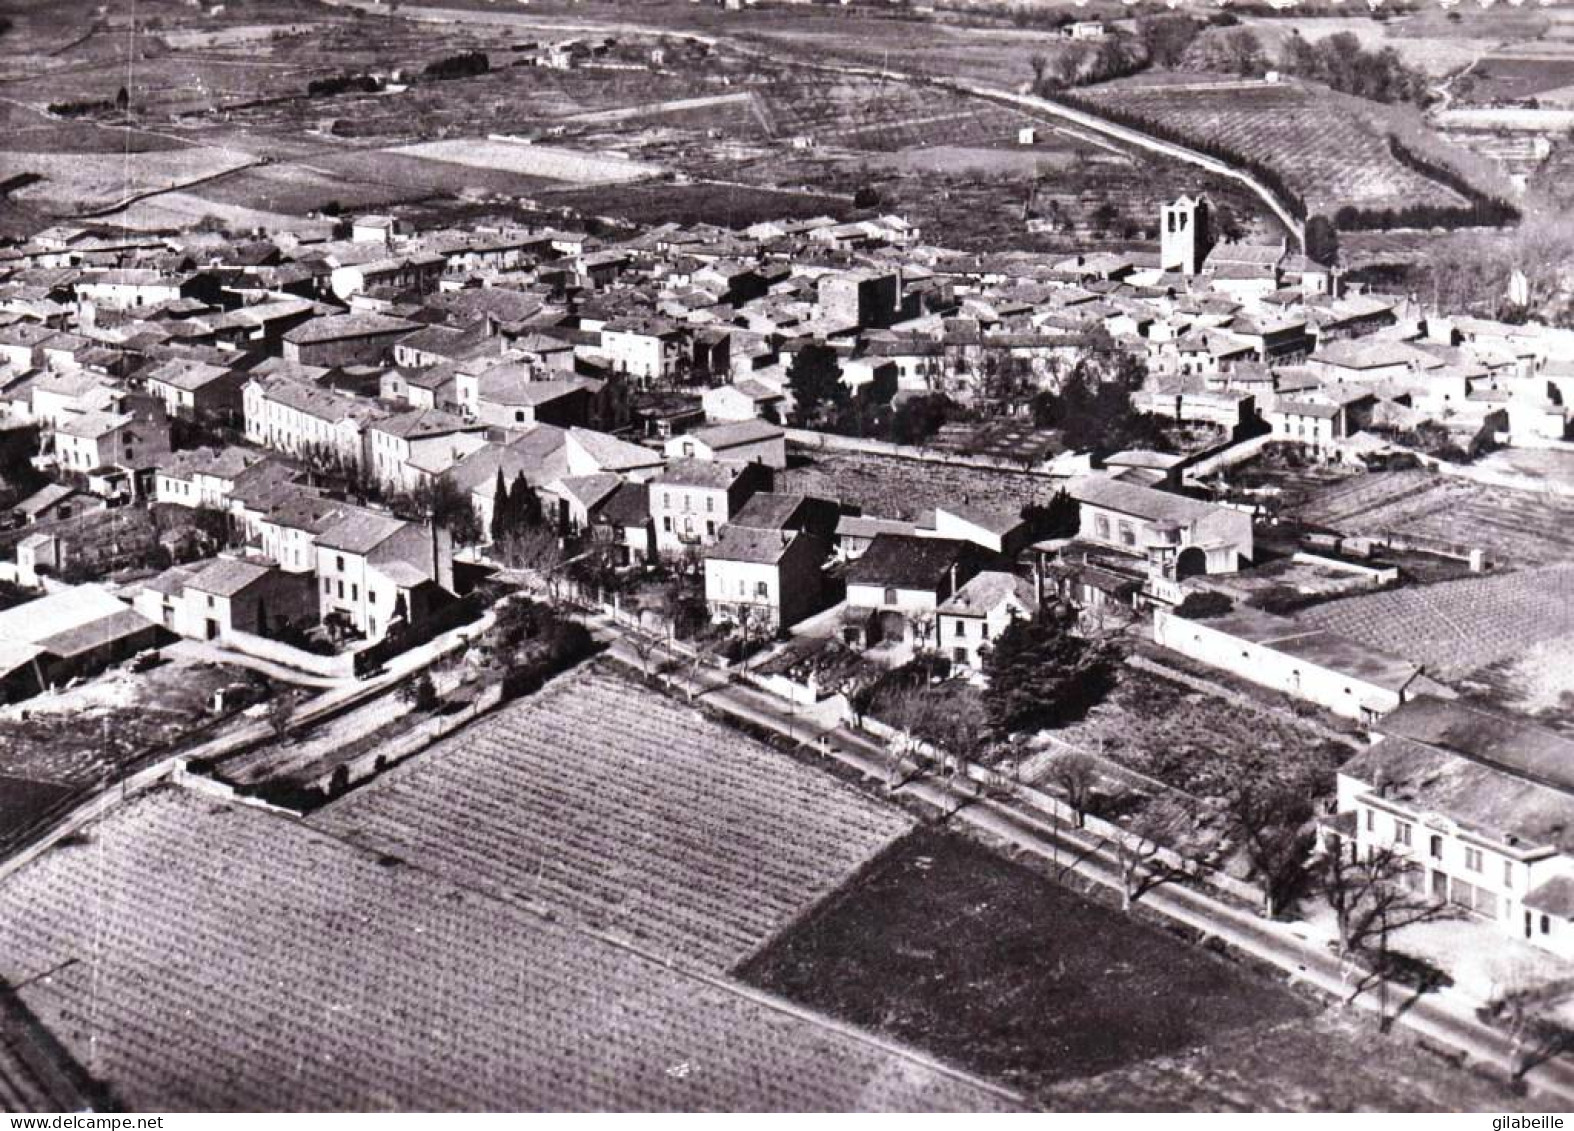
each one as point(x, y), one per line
point(890, 596)
point(961, 628)
point(1101, 526)
point(327, 586)
point(762, 589)
point(666, 499)
point(339, 562)
point(341, 587)
point(710, 503)
point(1402, 832)
point(355, 594)
point(1546, 925)
point(710, 529)
point(666, 522)
point(1473, 859)
point(1128, 536)
point(1508, 873)
point(1435, 847)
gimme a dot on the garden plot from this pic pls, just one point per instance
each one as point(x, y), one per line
point(208, 957)
point(551, 163)
point(628, 811)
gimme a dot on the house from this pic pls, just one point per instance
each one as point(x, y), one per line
point(377, 573)
point(93, 440)
point(418, 272)
point(742, 400)
point(1481, 804)
point(1319, 424)
point(197, 390)
point(509, 396)
point(998, 529)
point(56, 503)
point(622, 519)
point(301, 419)
point(412, 448)
point(975, 615)
point(1322, 668)
point(361, 338)
point(896, 587)
point(741, 441)
point(649, 350)
point(692, 499)
point(1180, 537)
point(216, 599)
point(203, 477)
point(72, 633)
point(763, 578)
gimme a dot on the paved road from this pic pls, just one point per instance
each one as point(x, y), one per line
point(1445, 1018)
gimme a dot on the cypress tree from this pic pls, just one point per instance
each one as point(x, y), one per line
point(500, 509)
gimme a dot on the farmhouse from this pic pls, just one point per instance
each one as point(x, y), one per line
point(1179, 537)
point(1482, 804)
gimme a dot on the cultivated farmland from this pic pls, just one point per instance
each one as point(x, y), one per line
point(551, 163)
point(204, 957)
point(74, 181)
point(1328, 155)
point(1453, 627)
point(629, 812)
point(1514, 527)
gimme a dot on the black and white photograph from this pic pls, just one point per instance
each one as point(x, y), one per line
point(786, 556)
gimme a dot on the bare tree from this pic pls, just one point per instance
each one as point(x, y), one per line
point(1524, 1010)
point(1268, 817)
point(281, 713)
point(643, 645)
point(1158, 845)
point(912, 712)
point(1076, 774)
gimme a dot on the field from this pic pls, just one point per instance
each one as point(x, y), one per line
point(242, 961)
point(984, 961)
point(1453, 627)
point(1498, 79)
point(627, 812)
point(1327, 154)
point(727, 205)
point(1515, 528)
point(1324, 1063)
point(889, 487)
point(532, 160)
point(75, 181)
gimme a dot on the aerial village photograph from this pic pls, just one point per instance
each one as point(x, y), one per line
point(786, 556)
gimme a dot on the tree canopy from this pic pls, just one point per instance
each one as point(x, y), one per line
point(1041, 674)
